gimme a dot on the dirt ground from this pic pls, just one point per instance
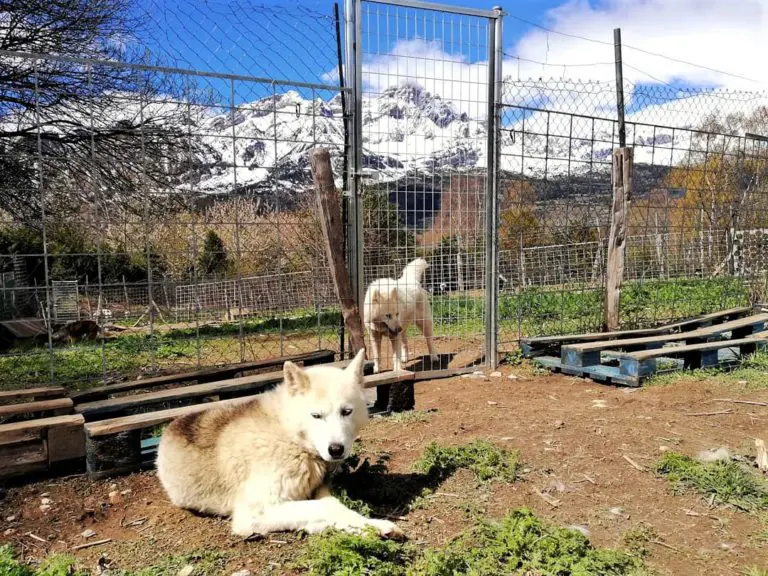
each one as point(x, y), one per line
point(573, 436)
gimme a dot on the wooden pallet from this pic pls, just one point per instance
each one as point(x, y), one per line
point(551, 345)
point(40, 445)
point(635, 359)
point(201, 376)
point(115, 446)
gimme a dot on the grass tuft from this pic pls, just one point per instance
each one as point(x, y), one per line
point(728, 482)
point(484, 458)
point(519, 544)
point(638, 537)
point(205, 563)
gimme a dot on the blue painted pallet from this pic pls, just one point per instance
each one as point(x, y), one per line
point(631, 369)
point(588, 353)
point(551, 345)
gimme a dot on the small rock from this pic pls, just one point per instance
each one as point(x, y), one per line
point(46, 501)
point(11, 519)
point(580, 528)
point(126, 492)
point(663, 448)
point(616, 511)
point(492, 403)
point(495, 374)
point(478, 373)
point(186, 571)
point(45, 507)
point(242, 573)
point(88, 533)
point(512, 377)
point(743, 382)
point(719, 455)
point(112, 487)
point(598, 404)
point(44, 495)
point(115, 498)
point(9, 532)
point(526, 470)
point(558, 424)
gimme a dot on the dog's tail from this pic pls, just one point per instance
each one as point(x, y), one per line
point(414, 272)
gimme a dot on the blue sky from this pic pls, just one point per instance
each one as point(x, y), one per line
point(296, 40)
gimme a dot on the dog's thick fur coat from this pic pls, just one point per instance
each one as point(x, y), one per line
point(264, 461)
point(391, 306)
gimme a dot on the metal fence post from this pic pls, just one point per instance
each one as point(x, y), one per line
point(492, 194)
point(354, 58)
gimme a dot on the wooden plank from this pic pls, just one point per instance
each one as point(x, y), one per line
point(754, 323)
point(23, 458)
point(384, 378)
point(56, 407)
point(207, 374)
point(236, 386)
point(599, 372)
point(541, 344)
point(149, 419)
point(31, 394)
point(617, 237)
point(423, 375)
point(10, 433)
point(642, 364)
point(329, 212)
point(66, 441)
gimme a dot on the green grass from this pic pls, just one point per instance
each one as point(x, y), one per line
point(728, 482)
point(755, 571)
point(519, 544)
point(205, 563)
point(637, 538)
point(411, 416)
point(750, 373)
point(485, 459)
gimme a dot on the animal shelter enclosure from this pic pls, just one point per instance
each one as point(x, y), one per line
point(163, 198)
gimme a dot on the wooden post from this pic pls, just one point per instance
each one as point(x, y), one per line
point(329, 210)
point(617, 239)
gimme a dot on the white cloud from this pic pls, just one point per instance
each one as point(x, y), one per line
point(719, 34)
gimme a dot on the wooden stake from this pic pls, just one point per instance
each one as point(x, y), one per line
point(329, 210)
point(617, 238)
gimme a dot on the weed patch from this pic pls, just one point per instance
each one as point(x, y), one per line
point(727, 482)
point(519, 544)
point(749, 373)
point(484, 458)
point(637, 538)
point(205, 563)
point(411, 416)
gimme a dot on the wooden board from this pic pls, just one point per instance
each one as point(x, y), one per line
point(55, 407)
point(32, 446)
point(200, 376)
point(588, 353)
point(542, 344)
point(703, 355)
point(244, 385)
point(31, 394)
point(149, 419)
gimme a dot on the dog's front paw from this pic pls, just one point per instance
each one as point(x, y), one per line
point(387, 529)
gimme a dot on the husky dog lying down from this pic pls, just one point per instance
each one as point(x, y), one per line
point(264, 461)
point(391, 306)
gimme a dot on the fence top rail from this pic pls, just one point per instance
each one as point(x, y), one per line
point(170, 70)
point(632, 122)
point(464, 11)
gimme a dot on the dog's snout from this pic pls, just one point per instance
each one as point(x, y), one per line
point(336, 450)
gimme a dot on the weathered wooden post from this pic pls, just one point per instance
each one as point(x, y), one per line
point(395, 397)
point(617, 238)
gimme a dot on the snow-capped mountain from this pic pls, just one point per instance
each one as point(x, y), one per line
point(408, 131)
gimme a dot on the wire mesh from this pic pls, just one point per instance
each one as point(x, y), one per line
point(425, 136)
point(173, 213)
point(698, 194)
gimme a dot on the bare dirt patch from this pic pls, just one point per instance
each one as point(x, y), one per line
point(580, 445)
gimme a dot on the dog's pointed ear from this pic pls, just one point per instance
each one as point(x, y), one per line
point(357, 365)
point(295, 378)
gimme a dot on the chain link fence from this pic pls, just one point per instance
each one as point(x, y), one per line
point(157, 185)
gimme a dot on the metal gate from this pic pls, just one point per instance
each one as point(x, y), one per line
point(423, 157)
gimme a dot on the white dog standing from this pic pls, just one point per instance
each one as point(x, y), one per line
point(391, 306)
point(263, 462)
